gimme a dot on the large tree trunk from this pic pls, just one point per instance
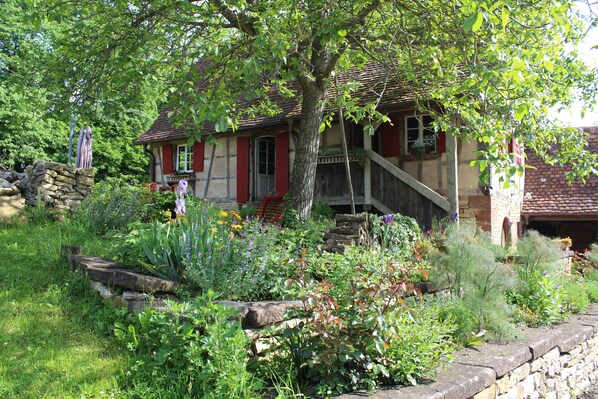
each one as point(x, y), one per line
point(303, 177)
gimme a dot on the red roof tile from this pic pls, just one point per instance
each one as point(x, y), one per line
point(547, 191)
point(371, 80)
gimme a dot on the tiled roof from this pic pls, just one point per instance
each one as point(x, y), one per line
point(548, 194)
point(371, 79)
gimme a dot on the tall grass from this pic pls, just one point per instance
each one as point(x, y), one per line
point(54, 342)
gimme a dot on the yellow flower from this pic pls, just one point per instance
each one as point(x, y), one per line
point(220, 222)
point(235, 214)
point(205, 200)
point(213, 229)
point(232, 235)
point(223, 214)
point(236, 226)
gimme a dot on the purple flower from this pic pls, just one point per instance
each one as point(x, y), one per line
point(454, 217)
point(182, 188)
point(387, 219)
point(510, 222)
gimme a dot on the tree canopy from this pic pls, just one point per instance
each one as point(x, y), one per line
point(499, 65)
point(38, 99)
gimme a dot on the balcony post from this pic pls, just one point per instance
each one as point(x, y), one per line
point(452, 174)
point(367, 176)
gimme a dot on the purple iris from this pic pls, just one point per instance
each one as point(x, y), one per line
point(387, 219)
point(182, 188)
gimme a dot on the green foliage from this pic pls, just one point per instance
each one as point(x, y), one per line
point(468, 268)
point(592, 291)
point(113, 207)
point(576, 297)
point(52, 321)
point(538, 253)
point(540, 296)
point(539, 299)
point(321, 211)
point(163, 247)
point(357, 330)
point(395, 234)
point(196, 351)
point(592, 254)
point(247, 210)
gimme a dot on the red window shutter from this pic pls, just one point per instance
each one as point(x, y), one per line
point(198, 154)
point(242, 169)
point(391, 138)
point(441, 142)
point(281, 155)
point(167, 164)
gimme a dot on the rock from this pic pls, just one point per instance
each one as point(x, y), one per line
point(268, 312)
point(68, 180)
point(86, 181)
point(135, 296)
point(131, 280)
point(104, 291)
point(9, 191)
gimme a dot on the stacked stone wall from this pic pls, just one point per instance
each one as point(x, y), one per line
point(56, 185)
point(551, 363)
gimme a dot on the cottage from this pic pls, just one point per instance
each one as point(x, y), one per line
point(557, 209)
point(404, 167)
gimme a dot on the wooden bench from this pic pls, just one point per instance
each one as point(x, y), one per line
point(271, 209)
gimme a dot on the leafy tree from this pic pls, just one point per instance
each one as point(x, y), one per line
point(497, 64)
point(37, 100)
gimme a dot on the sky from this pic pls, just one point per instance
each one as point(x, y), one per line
point(588, 51)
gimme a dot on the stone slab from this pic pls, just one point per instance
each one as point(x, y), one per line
point(267, 312)
point(130, 280)
point(539, 340)
point(572, 335)
point(592, 309)
point(462, 381)
point(590, 320)
point(500, 358)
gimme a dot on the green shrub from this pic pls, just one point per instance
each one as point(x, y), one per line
point(539, 299)
point(358, 331)
point(592, 254)
point(395, 234)
point(538, 253)
point(539, 294)
point(576, 297)
point(592, 291)
point(321, 211)
point(110, 208)
point(469, 269)
point(196, 351)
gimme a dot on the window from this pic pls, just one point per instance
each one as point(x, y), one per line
point(184, 159)
point(419, 134)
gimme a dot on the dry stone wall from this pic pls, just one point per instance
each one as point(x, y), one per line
point(551, 363)
point(11, 200)
point(56, 185)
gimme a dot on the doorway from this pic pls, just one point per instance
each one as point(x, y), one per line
point(265, 166)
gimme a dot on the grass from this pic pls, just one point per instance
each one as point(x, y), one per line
point(54, 341)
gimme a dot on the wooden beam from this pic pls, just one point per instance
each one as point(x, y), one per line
point(452, 174)
point(367, 168)
point(408, 179)
point(381, 207)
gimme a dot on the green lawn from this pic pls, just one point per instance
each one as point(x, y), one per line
point(53, 343)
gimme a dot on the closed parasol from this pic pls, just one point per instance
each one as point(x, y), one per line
point(84, 149)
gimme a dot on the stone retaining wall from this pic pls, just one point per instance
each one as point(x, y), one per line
point(56, 185)
point(52, 184)
point(553, 363)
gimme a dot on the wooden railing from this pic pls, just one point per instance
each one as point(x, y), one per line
point(392, 190)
